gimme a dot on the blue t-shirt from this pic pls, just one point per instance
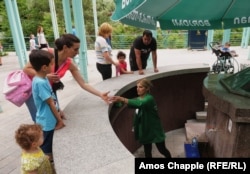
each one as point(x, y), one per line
point(225, 49)
point(41, 90)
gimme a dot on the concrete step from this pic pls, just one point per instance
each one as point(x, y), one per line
point(201, 115)
point(192, 121)
point(195, 129)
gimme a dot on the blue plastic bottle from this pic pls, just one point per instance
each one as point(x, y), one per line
point(194, 142)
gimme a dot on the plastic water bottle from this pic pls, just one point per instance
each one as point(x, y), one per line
point(194, 142)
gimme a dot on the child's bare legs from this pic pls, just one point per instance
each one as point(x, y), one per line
point(59, 125)
point(62, 115)
point(233, 53)
point(50, 157)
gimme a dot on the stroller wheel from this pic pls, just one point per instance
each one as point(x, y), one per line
point(230, 69)
point(217, 68)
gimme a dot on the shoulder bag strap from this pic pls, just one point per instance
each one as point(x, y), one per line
point(56, 60)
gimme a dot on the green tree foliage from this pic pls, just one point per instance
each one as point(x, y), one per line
point(34, 13)
point(4, 24)
point(37, 12)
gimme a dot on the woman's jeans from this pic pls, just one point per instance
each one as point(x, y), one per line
point(31, 107)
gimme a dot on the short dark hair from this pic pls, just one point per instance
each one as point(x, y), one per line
point(148, 33)
point(120, 54)
point(38, 58)
point(228, 44)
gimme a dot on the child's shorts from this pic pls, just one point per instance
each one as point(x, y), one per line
point(47, 143)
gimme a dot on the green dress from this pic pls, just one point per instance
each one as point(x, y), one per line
point(35, 161)
point(147, 123)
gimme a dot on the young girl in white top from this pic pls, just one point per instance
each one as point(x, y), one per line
point(32, 42)
point(41, 38)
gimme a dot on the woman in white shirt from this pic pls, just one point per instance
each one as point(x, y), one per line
point(41, 38)
point(103, 51)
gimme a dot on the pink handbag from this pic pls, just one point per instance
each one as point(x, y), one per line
point(17, 87)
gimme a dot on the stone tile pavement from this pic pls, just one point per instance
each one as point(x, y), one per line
point(11, 116)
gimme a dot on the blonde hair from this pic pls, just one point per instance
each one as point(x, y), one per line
point(31, 35)
point(145, 83)
point(105, 28)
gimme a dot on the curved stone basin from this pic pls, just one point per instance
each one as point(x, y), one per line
point(228, 120)
point(95, 138)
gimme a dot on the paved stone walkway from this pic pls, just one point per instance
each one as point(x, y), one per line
point(11, 116)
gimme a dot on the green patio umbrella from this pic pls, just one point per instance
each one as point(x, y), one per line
point(183, 14)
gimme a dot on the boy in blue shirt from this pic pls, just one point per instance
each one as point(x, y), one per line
point(226, 48)
point(45, 100)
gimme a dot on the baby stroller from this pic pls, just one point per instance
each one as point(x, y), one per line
point(225, 60)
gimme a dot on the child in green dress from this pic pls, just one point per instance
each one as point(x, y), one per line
point(30, 137)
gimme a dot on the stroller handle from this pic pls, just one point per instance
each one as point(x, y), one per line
point(212, 44)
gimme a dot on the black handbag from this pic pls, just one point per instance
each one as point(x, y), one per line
point(57, 85)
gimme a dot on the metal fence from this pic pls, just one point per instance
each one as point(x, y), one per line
point(164, 40)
